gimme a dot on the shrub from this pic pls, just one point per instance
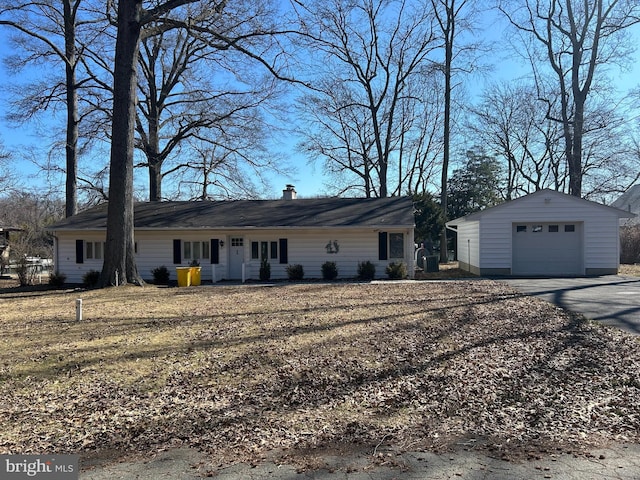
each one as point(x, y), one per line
point(57, 279)
point(160, 275)
point(329, 271)
point(265, 270)
point(366, 270)
point(630, 244)
point(26, 272)
point(91, 278)
point(396, 271)
point(295, 272)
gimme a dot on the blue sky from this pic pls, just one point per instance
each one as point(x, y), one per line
point(309, 180)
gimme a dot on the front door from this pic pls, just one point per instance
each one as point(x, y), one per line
point(236, 258)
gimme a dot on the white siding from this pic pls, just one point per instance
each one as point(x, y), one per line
point(601, 250)
point(309, 249)
point(156, 249)
point(468, 239)
point(66, 256)
point(305, 247)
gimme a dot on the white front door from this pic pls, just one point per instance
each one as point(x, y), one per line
point(236, 258)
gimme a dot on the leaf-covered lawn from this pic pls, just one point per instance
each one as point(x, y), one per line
point(240, 371)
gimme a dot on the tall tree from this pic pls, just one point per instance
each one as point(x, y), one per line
point(368, 56)
point(454, 19)
point(511, 121)
point(576, 39)
point(119, 263)
point(47, 32)
point(422, 145)
point(135, 22)
point(191, 87)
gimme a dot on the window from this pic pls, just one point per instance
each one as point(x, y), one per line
point(195, 250)
point(237, 242)
point(521, 228)
point(94, 250)
point(553, 228)
point(536, 228)
point(261, 250)
point(569, 228)
point(396, 245)
point(390, 245)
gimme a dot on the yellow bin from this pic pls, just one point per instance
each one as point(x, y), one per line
point(195, 275)
point(184, 276)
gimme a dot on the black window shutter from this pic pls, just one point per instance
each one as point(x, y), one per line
point(79, 251)
point(177, 254)
point(284, 252)
point(382, 246)
point(215, 251)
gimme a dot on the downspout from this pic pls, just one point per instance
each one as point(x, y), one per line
point(55, 253)
point(411, 248)
point(453, 228)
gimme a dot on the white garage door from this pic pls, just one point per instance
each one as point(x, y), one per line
point(547, 249)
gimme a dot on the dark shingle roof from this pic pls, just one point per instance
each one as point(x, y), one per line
point(317, 212)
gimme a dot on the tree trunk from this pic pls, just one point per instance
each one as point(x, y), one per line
point(71, 148)
point(155, 181)
point(119, 262)
point(575, 160)
point(449, 34)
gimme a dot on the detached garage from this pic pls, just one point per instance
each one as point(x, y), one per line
point(546, 233)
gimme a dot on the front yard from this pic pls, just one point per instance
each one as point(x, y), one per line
point(246, 371)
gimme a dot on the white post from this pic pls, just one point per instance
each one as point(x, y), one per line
point(117, 278)
point(213, 273)
point(78, 310)
point(243, 272)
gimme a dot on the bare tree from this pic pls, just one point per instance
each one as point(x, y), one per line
point(454, 19)
point(512, 122)
point(135, 22)
point(8, 180)
point(227, 168)
point(576, 40)
point(52, 33)
point(31, 213)
point(180, 98)
point(343, 138)
point(119, 264)
point(368, 54)
point(422, 144)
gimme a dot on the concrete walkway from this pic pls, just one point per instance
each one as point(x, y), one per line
point(619, 462)
point(611, 299)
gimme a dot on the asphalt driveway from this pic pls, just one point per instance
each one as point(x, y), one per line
point(611, 299)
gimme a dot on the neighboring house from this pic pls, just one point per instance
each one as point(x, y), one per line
point(229, 238)
point(629, 201)
point(546, 233)
point(5, 246)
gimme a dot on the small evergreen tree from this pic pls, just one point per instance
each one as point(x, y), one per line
point(265, 269)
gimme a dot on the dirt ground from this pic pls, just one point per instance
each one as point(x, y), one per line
point(308, 370)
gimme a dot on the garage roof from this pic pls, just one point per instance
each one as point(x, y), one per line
point(545, 193)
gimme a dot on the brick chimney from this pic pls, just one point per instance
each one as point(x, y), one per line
point(289, 193)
